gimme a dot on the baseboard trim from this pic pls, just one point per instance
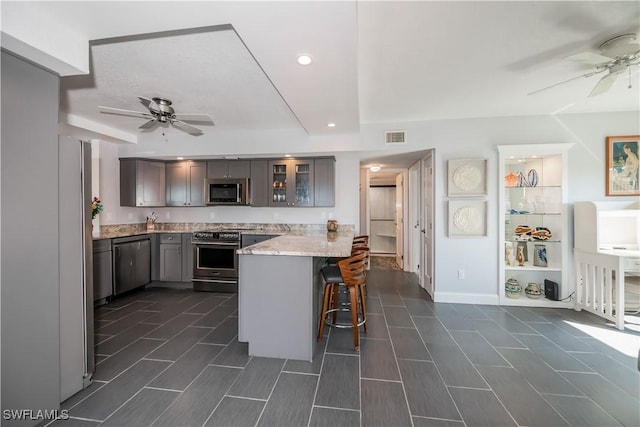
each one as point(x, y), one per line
point(460, 298)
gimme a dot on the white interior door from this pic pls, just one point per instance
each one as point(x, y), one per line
point(399, 221)
point(427, 225)
point(414, 220)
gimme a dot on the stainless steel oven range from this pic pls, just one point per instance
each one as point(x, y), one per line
point(215, 262)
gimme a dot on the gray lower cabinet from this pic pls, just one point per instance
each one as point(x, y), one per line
point(102, 273)
point(170, 258)
point(187, 258)
point(176, 257)
point(252, 239)
point(131, 263)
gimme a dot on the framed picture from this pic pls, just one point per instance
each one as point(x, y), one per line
point(467, 218)
point(622, 174)
point(467, 177)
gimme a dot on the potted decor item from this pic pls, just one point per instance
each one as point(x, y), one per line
point(540, 257)
point(512, 288)
point(520, 256)
point(332, 225)
point(533, 291)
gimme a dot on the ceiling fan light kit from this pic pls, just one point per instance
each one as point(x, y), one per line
point(616, 55)
point(161, 111)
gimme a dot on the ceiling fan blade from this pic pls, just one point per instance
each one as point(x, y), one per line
point(186, 128)
point(119, 111)
point(145, 101)
point(199, 119)
point(587, 75)
point(589, 58)
point(604, 84)
point(151, 124)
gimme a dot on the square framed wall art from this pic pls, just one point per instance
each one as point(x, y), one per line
point(467, 218)
point(467, 177)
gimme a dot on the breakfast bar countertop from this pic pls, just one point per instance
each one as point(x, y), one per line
point(304, 243)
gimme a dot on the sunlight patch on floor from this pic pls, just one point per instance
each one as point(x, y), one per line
point(623, 342)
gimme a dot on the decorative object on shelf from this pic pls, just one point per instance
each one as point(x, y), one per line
point(520, 256)
point(540, 257)
point(511, 180)
point(509, 256)
point(467, 218)
point(523, 231)
point(522, 180)
point(332, 236)
point(467, 177)
point(151, 221)
point(96, 207)
point(622, 171)
point(538, 205)
point(532, 176)
point(512, 288)
point(541, 233)
point(533, 291)
point(525, 249)
point(332, 225)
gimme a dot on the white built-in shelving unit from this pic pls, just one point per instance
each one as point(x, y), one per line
point(539, 199)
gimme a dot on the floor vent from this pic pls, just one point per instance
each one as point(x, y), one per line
point(395, 137)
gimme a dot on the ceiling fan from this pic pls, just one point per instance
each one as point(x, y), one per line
point(616, 55)
point(161, 111)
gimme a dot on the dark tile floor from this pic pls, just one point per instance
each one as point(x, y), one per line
point(170, 357)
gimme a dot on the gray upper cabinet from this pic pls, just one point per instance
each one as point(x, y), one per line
point(228, 168)
point(324, 182)
point(185, 183)
point(142, 182)
point(258, 181)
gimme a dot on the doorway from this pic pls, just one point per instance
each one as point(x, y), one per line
point(385, 198)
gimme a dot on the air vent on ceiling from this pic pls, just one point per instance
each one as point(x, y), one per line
point(395, 137)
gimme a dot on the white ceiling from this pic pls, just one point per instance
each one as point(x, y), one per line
point(374, 62)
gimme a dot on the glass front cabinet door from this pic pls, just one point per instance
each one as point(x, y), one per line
point(291, 182)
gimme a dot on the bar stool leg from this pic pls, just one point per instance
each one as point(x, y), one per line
point(353, 290)
point(363, 306)
point(328, 290)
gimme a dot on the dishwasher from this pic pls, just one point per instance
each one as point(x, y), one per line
point(131, 263)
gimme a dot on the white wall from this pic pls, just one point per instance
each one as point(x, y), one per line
point(451, 139)
point(477, 138)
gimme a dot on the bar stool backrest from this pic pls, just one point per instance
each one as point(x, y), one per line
point(352, 269)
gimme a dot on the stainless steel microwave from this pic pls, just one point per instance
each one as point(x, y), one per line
point(226, 191)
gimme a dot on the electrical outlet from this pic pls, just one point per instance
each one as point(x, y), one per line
point(460, 274)
point(212, 215)
point(330, 215)
point(130, 215)
point(275, 215)
point(323, 215)
point(168, 215)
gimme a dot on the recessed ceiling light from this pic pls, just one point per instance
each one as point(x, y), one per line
point(331, 125)
point(180, 158)
point(287, 155)
point(374, 168)
point(304, 59)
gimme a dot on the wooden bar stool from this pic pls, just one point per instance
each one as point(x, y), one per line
point(351, 272)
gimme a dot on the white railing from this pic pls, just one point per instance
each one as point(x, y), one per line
point(600, 285)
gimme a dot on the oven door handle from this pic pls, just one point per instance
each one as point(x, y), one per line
point(216, 243)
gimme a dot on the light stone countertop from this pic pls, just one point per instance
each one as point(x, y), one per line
point(304, 243)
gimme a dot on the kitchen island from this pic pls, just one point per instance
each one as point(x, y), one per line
point(279, 292)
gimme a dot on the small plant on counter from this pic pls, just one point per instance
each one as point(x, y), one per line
point(96, 207)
